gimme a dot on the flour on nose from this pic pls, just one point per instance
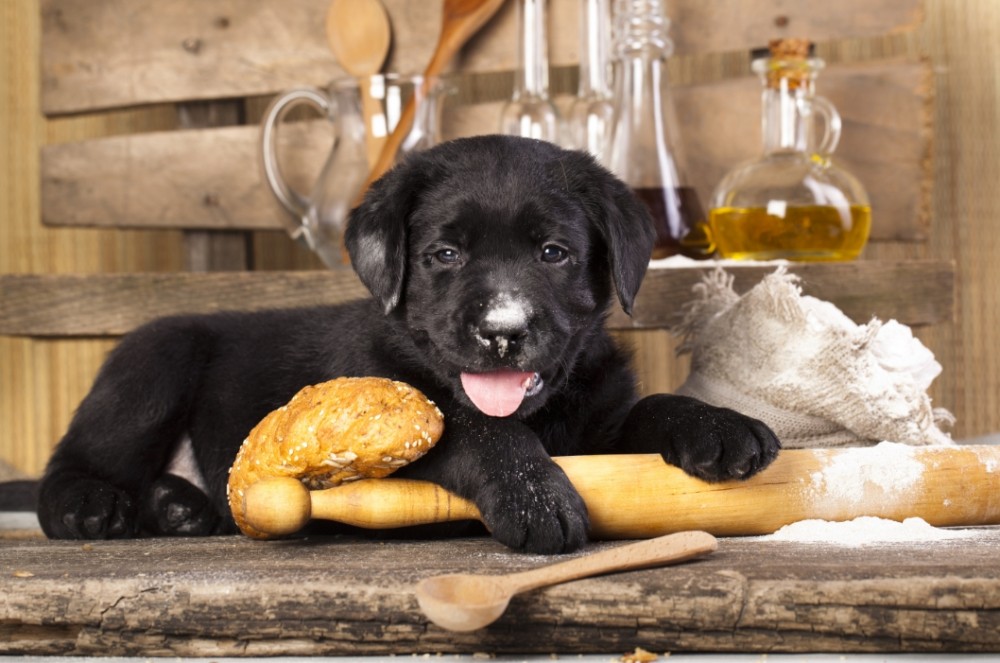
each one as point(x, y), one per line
point(507, 313)
point(506, 316)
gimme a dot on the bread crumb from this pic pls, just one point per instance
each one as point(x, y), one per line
point(640, 655)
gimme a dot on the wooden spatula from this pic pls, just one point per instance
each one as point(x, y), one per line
point(460, 19)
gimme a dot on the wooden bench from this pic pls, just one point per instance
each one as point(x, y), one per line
point(201, 73)
point(325, 597)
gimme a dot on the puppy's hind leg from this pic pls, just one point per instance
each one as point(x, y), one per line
point(123, 432)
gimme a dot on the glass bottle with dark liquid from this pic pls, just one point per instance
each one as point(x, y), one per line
point(792, 202)
point(644, 150)
point(679, 221)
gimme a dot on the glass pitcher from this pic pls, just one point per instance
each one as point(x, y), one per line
point(793, 202)
point(362, 113)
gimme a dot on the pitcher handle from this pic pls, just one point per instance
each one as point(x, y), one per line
point(832, 125)
point(296, 204)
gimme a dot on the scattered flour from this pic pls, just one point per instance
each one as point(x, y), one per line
point(888, 470)
point(865, 531)
point(987, 459)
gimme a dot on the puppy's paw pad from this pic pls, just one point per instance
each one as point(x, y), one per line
point(174, 507)
point(88, 509)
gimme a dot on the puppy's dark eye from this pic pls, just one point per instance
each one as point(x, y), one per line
point(447, 256)
point(554, 253)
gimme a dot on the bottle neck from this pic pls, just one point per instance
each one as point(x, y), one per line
point(641, 26)
point(595, 38)
point(532, 78)
point(644, 150)
point(787, 121)
point(640, 70)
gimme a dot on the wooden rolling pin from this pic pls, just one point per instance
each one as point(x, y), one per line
point(640, 496)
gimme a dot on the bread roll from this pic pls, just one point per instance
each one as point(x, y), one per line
point(336, 431)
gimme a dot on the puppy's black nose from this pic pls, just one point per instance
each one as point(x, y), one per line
point(503, 324)
point(502, 336)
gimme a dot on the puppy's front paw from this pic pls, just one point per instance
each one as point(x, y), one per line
point(536, 510)
point(708, 442)
point(174, 507)
point(728, 445)
point(85, 509)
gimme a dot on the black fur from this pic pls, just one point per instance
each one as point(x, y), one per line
point(435, 240)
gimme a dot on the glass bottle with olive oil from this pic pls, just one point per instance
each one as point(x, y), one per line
point(793, 202)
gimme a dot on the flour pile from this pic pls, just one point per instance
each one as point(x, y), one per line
point(803, 367)
point(866, 530)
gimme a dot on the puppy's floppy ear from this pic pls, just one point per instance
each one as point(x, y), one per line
point(621, 219)
point(376, 234)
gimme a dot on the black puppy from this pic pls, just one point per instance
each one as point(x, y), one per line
point(493, 262)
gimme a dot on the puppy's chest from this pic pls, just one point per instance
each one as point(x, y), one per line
point(562, 436)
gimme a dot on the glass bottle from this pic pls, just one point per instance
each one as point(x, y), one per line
point(530, 112)
point(793, 202)
point(589, 121)
point(644, 150)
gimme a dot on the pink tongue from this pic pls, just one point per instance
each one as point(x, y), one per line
point(497, 394)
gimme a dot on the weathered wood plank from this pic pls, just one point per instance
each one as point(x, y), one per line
point(111, 53)
point(214, 250)
point(915, 293)
point(208, 178)
point(199, 178)
point(236, 597)
point(111, 304)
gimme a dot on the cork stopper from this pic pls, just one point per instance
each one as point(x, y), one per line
point(789, 49)
point(789, 64)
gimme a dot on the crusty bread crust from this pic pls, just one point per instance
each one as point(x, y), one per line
point(342, 430)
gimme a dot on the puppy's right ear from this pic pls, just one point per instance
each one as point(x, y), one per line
point(376, 234)
point(621, 219)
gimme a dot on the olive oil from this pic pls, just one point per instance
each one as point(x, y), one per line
point(793, 201)
point(809, 232)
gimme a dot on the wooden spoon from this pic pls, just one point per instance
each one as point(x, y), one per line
point(466, 602)
point(460, 19)
point(359, 35)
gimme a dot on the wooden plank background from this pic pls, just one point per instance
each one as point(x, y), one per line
point(913, 292)
point(116, 53)
point(885, 107)
point(41, 381)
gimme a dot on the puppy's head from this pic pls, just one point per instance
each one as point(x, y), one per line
point(501, 257)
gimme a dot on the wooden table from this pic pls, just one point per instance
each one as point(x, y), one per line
point(326, 596)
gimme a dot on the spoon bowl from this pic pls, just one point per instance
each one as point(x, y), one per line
point(463, 601)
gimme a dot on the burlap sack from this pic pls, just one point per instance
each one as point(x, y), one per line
point(803, 367)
